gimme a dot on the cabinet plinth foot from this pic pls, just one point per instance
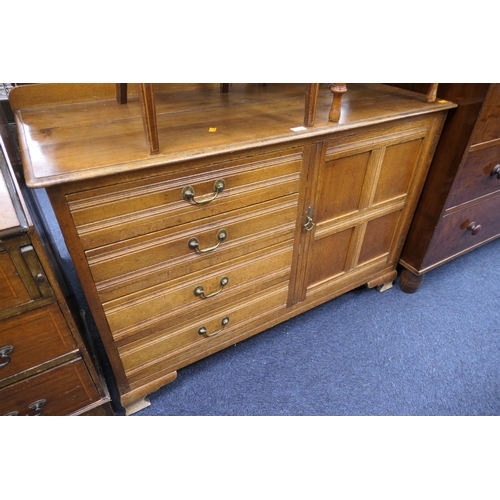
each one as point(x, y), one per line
point(136, 406)
point(137, 399)
point(385, 286)
point(384, 282)
point(409, 282)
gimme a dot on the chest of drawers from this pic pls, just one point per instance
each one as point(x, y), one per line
point(460, 205)
point(45, 367)
point(220, 237)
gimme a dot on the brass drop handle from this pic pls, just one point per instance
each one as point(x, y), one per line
point(203, 331)
point(5, 355)
point(199, 291)
point(193, 243)
point(188, 193)
point(309, 224)
point(496, 171)
point(37, 407)
point(474, 228)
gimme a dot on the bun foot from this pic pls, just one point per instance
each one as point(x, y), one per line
point(409, 282)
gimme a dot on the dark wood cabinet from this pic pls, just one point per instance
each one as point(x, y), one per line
point(460, 203)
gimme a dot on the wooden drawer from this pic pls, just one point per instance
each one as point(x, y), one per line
point(64, 390)
point(452, 234)
point(22, 278)
point(132, 265)
point(144, 313)
point(475, 178)
point(168, 347)
point(114, 213)
point(12, 289)
point(33, 338)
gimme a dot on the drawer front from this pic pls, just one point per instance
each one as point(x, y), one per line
point(22, 278)
point(115, 213)
point(479, 176)
point(64, 390)
point(196, 295)
point(12, 289)
point(142, 359)
point(33, 338)
point(136, 264)
point(452, 235)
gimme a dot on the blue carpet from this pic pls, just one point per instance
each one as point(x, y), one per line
point(434, 352)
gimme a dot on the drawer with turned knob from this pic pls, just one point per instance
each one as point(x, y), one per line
point(62, 390)
point(30, 341)
point(462, 230)
point(480, 176)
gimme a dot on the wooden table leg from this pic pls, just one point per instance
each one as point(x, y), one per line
point(149, 116)
point(312, 90)
point(338, 90)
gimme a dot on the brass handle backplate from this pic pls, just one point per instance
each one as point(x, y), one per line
point(193, 243)
point(199, 291)
point(203, 331)
point(189, 196)
point(309, 224)
point(5, 355)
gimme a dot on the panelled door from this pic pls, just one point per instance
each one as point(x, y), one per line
point(364, 189)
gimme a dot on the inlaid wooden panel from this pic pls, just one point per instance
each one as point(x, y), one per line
point(35, 337)
point(395, 174)
point(64, 390)
point(378, 238)
point(329, 257)
point(340, 187)
point(12, 289)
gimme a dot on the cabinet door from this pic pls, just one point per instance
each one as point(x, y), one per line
point(365, 187)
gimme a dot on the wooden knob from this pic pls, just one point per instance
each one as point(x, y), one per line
point(496, 171)
point(474, 228)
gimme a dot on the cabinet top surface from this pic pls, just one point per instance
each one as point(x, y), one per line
point(12, 218)
point(71, 132)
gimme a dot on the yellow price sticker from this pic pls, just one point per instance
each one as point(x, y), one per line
point(212, 129)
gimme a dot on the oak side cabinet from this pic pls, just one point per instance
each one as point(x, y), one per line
point(244, 219)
